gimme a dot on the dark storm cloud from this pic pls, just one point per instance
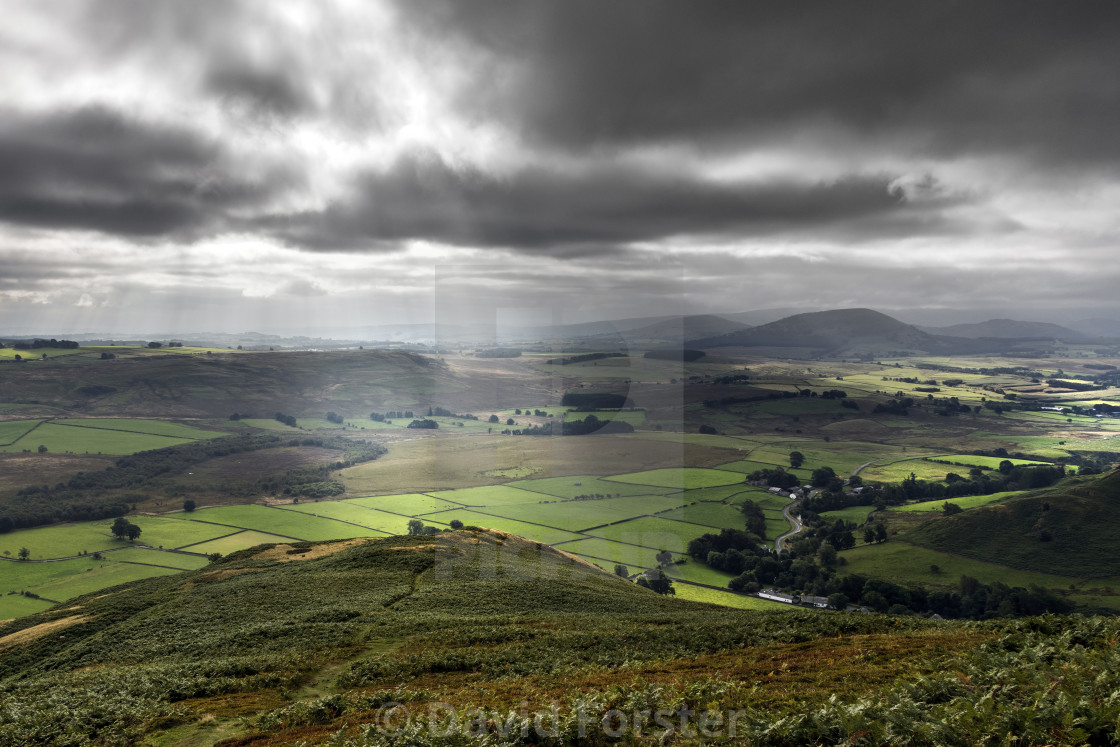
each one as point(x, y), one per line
point(947, 76)
point(91, 168)
point(584, 210)
point(264, 90)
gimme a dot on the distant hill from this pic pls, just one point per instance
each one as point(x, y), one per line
point(1006, 329)
point(679, 329)
point(840, 332)
point(1069, 530)
point(1097, 327)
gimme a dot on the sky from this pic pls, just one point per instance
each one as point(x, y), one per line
point(225, 165)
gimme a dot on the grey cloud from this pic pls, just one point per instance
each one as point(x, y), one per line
point(91, 168)
point(594, 209)
point(1022, 75)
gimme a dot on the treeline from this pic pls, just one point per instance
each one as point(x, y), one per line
point(588, 425)
point(443, 412)
point(498, 353)
point(595, 401)
point(108, 493)
point(40, 343)
point(585, 358)
point(675, 354)
point(381, 417)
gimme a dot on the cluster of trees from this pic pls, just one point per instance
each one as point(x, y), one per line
point(41, 343)
point(1077, 386)
point(285, 419)
point(424, 423)
point(443, 412)
point(588, 425)
point(596, 401)
point(334, 417)
point(894, 406)
point(381, 417)
point(585, 358)
point(124, 529)
point(675, 354)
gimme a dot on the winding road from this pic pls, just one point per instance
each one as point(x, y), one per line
point(793, 522)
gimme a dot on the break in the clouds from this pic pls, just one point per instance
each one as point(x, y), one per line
point(247, 164)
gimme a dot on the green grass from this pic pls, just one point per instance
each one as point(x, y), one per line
point(692, 593)
point(174, 532)
point(716, 515)
point(159, 557)
point(12, 430)
point(579, 515)
point(16, 576)
point(690, 570)
point(490, 495)
point(279, 521)
point(268, 424)
point(136, 425)
point(70, 439)
point(17, 605)
point(966, 502)
point(855, 514)
point(635, 418)
point(684, 477)
point(776, 526)
point(732, 493)
point(408, 504)
point(613, 552)
point(346, 511)
point(61, 540)
point(566, 487)
point(902, 563)
point(100, 575)
point(747, 466)
point(237, 541)
point(659, 534)
point(534, 532)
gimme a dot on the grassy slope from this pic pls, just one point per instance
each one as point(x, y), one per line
point(294, 643)
point(1081, 517)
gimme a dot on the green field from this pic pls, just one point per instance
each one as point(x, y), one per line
point(180, 560)
point(855, 514)
point(135, 425)
point(100, 575)
point(490, 495)
point(730, 493)
point(716, 515)
point(12, 430)
point(61, 540)
point(684, 477)
point(662, 534)
point(292, 524)
point(690, 570)
point(613, 552)
point(17, 605)
point(726, 598)
point(238, 541)
point(579, 515)
point(547, 535)
point(570, 487)
point(174, 532)
point(967, 501)
point(349, 512)
point(60, 438)
point(408, 504)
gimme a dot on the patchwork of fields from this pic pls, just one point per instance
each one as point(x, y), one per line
point(116, 436)
point(623, 519)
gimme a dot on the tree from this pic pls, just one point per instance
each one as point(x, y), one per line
point(838, 601)
point(188, 505)
point(950, 508)
point(880, 533)
point(456, 524)
point(510, 421)
point(1005, 467)
point(42, 449)
point(822, 476)
point(664, 557)
point(656, 581)
point(133, 532)
point(493, 419)
point(869, 535)
point(24, 553)
point(621, 570)
point(120, 527)
point(796, 459)
point(827, 555)
point(415, 526)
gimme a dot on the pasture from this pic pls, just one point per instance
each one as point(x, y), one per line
point(280, 521)
point(408, 504)
point(965, 502)
point(683, 478)
point(106, 436)
point(694, 593)
point(650, 532)
point(855, 514)
point(537, 532)
point(239, 540)
point(570, 487)
point(715, 515)
point(13, 430)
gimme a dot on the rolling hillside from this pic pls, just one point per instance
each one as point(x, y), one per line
point(445, 639)
point(1069, 530)
point(840, 331)
point(1006, 329)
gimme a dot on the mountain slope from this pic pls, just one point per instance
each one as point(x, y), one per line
point(344, 642)
point(1069, 530)
point(837, 331)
